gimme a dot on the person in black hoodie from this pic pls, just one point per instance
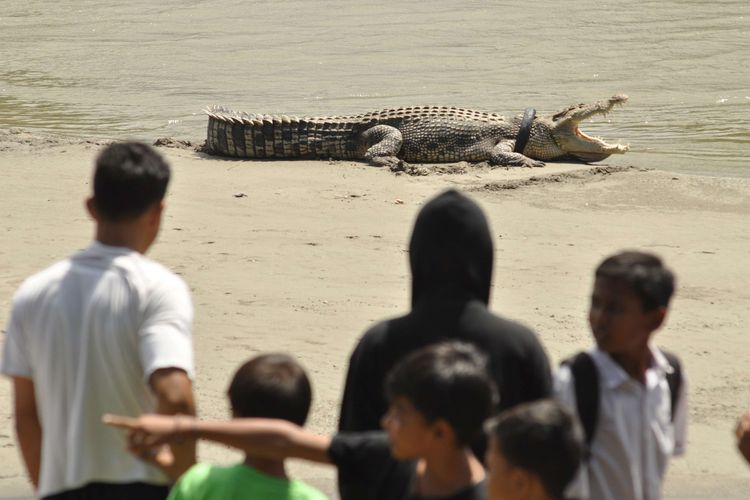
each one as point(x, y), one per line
point(451, 257)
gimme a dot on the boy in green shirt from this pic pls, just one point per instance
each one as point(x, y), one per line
point(268, 386)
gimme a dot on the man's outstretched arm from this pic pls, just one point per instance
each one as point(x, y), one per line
point(28, 427)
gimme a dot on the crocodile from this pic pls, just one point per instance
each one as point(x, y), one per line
point(419, 134)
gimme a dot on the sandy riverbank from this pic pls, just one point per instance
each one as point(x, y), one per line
point(302, 256)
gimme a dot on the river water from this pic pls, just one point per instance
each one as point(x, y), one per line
point(144, 69)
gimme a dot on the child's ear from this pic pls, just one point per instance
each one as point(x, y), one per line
point(658, 316)
point(442, 430)
point(155, 212)
point(91, 208)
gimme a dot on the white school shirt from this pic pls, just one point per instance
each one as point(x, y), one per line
point(89, 331)
point(635, 436)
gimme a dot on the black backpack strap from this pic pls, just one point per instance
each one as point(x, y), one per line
point(674, 379)
point(586, 381)
point(586, 385)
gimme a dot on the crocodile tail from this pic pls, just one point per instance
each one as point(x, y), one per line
point(244, 135)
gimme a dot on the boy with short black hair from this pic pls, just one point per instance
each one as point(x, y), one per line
point(439, 397)
point(534, 452)
point(267, 386)
point(629, 395)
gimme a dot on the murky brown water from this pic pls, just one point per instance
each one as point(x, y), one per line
point(132, 69)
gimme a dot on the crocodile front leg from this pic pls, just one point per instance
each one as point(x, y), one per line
point(383, 144)
point(503, 156)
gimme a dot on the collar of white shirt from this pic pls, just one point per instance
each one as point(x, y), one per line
point(613, 375)
point(99, 248)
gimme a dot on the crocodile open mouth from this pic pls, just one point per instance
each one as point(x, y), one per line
point(577, 143)
point(591, 149)
point(596, 140)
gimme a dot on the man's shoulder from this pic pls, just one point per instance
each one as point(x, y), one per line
point(510, 326)
point(41, 280)
point(509, 336)
point(381, 336)
point(150, 274)
point(386, 342)
point(153, 267)
point(379, 332)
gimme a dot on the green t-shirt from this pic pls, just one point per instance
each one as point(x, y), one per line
point(238, 482)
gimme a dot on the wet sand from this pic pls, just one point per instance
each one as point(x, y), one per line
point(303, 256)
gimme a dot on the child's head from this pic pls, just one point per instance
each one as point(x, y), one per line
point(439, 396)
point(644, 273)
point(629, 301)
point(271, 386)
point(535, 450)
point(129, 178)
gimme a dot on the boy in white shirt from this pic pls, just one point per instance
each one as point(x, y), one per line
point(629, 395)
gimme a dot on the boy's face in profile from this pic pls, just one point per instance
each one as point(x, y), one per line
point(617, 318)
point(408, 431)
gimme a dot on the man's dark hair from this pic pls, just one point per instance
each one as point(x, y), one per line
point(645, 273)
point(541, 437)
point(446, 381)
point(129, 177)
point(271, 386)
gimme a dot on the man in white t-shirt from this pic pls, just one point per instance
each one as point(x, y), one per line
point(104, 331)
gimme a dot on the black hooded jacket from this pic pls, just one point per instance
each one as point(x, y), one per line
point(451, 256)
